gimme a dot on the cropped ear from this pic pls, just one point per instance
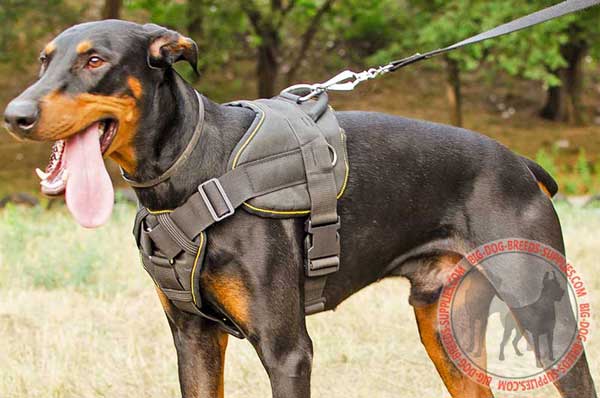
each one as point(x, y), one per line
point(167, 47)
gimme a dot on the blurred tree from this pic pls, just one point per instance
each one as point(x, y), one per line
point(439, 24)
point(564, 101)
point(23, 22)
point(268, 20)
point(533, 54)
point(112, 9)
point(219, 28)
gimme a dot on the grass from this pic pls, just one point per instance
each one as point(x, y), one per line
point(79, 318)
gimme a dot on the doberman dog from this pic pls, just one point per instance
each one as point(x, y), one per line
point(539, 317)
point(419, 195)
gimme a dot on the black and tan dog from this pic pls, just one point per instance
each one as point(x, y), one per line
point(419, 195)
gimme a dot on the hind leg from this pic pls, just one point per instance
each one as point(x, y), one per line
point(515, 342)
point(578, 382)
point(457, 383)
point(505, 338)
point(425, 298)
point(540, 223)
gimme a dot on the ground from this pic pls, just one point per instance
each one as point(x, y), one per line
point(79, 318)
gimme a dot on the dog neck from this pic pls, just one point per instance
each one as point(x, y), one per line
point(169, 123)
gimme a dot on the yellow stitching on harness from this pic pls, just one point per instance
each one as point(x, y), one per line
point(155, 212)
point(258, 126)
point(304, 212)
point(194, 267)
point(281, 212)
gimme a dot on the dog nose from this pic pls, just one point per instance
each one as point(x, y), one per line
point(21, 116)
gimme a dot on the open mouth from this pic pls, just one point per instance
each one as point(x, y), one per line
point(54, 178)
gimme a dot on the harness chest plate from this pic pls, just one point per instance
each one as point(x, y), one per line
point(292, 162)
point(280, 127)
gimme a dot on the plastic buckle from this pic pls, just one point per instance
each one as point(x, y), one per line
point(209, 205)
point(322, 248)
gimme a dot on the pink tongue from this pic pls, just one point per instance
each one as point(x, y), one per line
point(89, 191)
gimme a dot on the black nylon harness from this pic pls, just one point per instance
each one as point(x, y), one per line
point(172, 243)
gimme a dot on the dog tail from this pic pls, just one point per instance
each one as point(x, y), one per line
point(545, 180)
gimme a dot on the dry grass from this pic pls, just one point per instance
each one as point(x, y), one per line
point(71, 327)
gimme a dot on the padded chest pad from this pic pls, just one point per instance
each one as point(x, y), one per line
point(282, 126)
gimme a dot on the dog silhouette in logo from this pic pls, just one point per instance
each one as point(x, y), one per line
point(508, 324)
point(538, 318)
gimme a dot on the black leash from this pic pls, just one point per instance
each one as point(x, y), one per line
point(347, 80)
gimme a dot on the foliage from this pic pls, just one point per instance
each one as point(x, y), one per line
point(548, 160)
point(219, 28)
point(581, 178)
point(22, 22)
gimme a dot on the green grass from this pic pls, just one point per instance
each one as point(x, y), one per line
point(79, 318)
point(44, 249)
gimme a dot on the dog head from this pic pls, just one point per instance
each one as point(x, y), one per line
point(551, 287)
point(96, 82)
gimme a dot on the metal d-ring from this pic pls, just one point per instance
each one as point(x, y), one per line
point(335, 158)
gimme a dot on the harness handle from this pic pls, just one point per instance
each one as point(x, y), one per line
point(303, 92)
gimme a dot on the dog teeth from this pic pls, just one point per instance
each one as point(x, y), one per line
point(41, 174)
point(64, 175)
point(101, 128)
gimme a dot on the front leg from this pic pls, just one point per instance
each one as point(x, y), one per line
point(200, 346)
point(271, 315)
point(287, 357)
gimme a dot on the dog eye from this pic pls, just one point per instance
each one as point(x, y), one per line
point(94, 62)
point(44, 64)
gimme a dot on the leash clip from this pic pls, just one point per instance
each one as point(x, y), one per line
point(344, 81)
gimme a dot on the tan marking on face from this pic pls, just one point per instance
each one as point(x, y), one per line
point(63, 115)
point(135, 86)
point(232, 294)
point(544, 189)
point(50, 48)
point(84, 46)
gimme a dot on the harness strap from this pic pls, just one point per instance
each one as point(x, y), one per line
point(217, 198)
point(322, 243)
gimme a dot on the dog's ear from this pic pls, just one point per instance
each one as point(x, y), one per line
point(167, 47)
